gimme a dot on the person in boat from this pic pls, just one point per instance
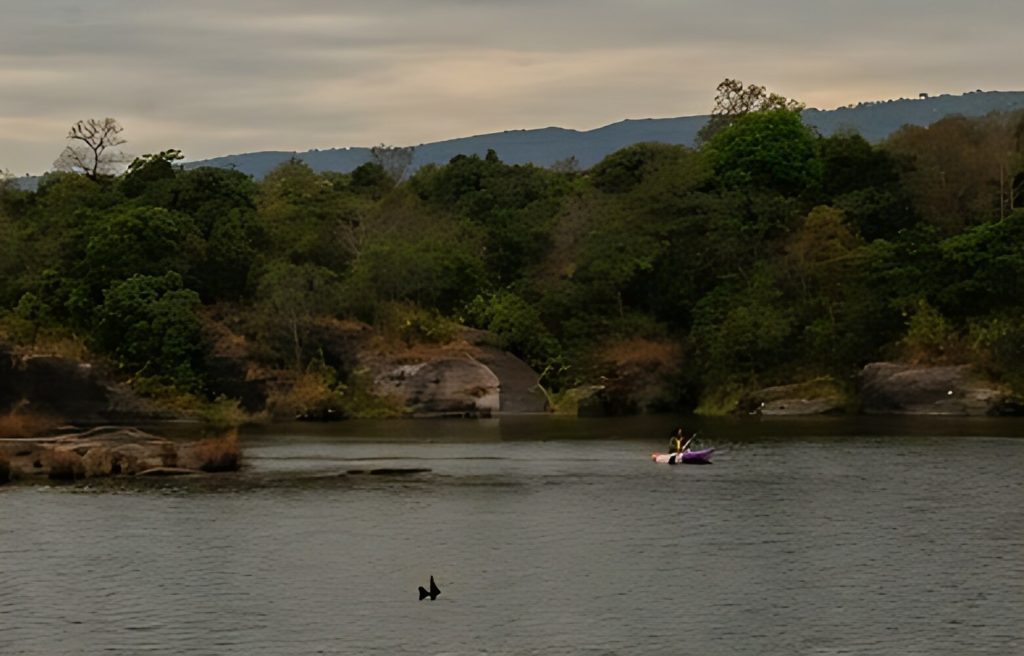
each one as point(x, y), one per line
point(678, 441)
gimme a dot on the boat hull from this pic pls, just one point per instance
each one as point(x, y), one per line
point(694, 457)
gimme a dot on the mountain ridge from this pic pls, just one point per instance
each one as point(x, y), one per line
point(875, 120)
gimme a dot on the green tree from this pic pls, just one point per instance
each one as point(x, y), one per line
point(770, 150)
point(290, 298)
point(149, 323)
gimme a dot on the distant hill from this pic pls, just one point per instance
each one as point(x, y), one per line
point(545, 146)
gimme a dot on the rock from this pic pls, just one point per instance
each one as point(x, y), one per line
point(77, 392)
point(815, 397)
point(442, 386)
point(168, 471)
point(518, 385)
point(110, 451)
point(891, 388)
point(398, 471)
point(52, 385)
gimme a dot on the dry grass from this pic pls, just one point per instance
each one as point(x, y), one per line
point(642, 353)
point(311, 395)
point(22, 424)
point(219, 454)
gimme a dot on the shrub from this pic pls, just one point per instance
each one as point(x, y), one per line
point(930, 338)
point(359, 401)
point(222, 414)
point(18, 424)
point(414, 325)
point(220, 454)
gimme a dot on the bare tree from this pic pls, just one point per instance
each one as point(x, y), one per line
point(91, 151)
point(395, 160)
point(733, 101)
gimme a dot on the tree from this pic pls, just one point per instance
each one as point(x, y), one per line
point(733, 101)
point(291, 297)
point(90, 152)
point(150, 324)
point(770, 150)
point(395, 160)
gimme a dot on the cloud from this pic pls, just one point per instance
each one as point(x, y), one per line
point(242, 75)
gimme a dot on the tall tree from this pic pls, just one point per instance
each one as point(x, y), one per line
point(734, 100)
point(91, 151)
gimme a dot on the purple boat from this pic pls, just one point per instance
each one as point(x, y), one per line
point(688, 457)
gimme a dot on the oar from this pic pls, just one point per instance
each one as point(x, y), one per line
point(690, 440)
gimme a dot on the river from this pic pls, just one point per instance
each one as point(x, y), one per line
point(545, 536)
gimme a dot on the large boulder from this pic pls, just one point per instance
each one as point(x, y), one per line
point(891, 388)
point(443, 386)
point(52, 385)
point(76, 392)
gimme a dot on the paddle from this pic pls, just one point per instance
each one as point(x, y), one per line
point(690, 440)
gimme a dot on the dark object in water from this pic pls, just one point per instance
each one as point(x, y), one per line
point(434, 591)
point(398, 471)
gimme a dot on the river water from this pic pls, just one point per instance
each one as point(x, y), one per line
point(545, 536)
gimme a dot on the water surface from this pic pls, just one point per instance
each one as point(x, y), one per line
point(546, 536)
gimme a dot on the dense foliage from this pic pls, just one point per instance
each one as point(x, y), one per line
point(768, 255)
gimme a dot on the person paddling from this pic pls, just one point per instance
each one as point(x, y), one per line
point(678, 441)
point(678, 444)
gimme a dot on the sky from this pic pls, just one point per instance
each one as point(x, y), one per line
point(219, 77)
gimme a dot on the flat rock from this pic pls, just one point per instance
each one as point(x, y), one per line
point(168, 471)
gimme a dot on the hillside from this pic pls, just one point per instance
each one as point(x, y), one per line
point(545, 146)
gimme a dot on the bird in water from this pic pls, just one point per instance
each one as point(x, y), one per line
point(432, 593)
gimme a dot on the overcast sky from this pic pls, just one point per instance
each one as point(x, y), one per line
point(215, 77)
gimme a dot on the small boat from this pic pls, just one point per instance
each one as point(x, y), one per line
point(688, 457)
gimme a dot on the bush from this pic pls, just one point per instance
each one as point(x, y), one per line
point(17, 424)
point(998, 343)
point(414, 325)
point(222, 454)
point(222, 414)
point(518, 325)
point(359, 401)
point(930, 338)
point(314, 394)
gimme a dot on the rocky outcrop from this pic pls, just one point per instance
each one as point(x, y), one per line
point(518, 385)
point(443, 386)
point(891, 388)
point(816, 397)
point(114, 451)
point(70, 389)
point(465, 377)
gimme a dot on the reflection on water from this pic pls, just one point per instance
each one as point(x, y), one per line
point(546, 536)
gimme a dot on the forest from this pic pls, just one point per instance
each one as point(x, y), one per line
point(766, 255)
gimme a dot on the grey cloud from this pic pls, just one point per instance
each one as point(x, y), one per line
point(253, 74)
